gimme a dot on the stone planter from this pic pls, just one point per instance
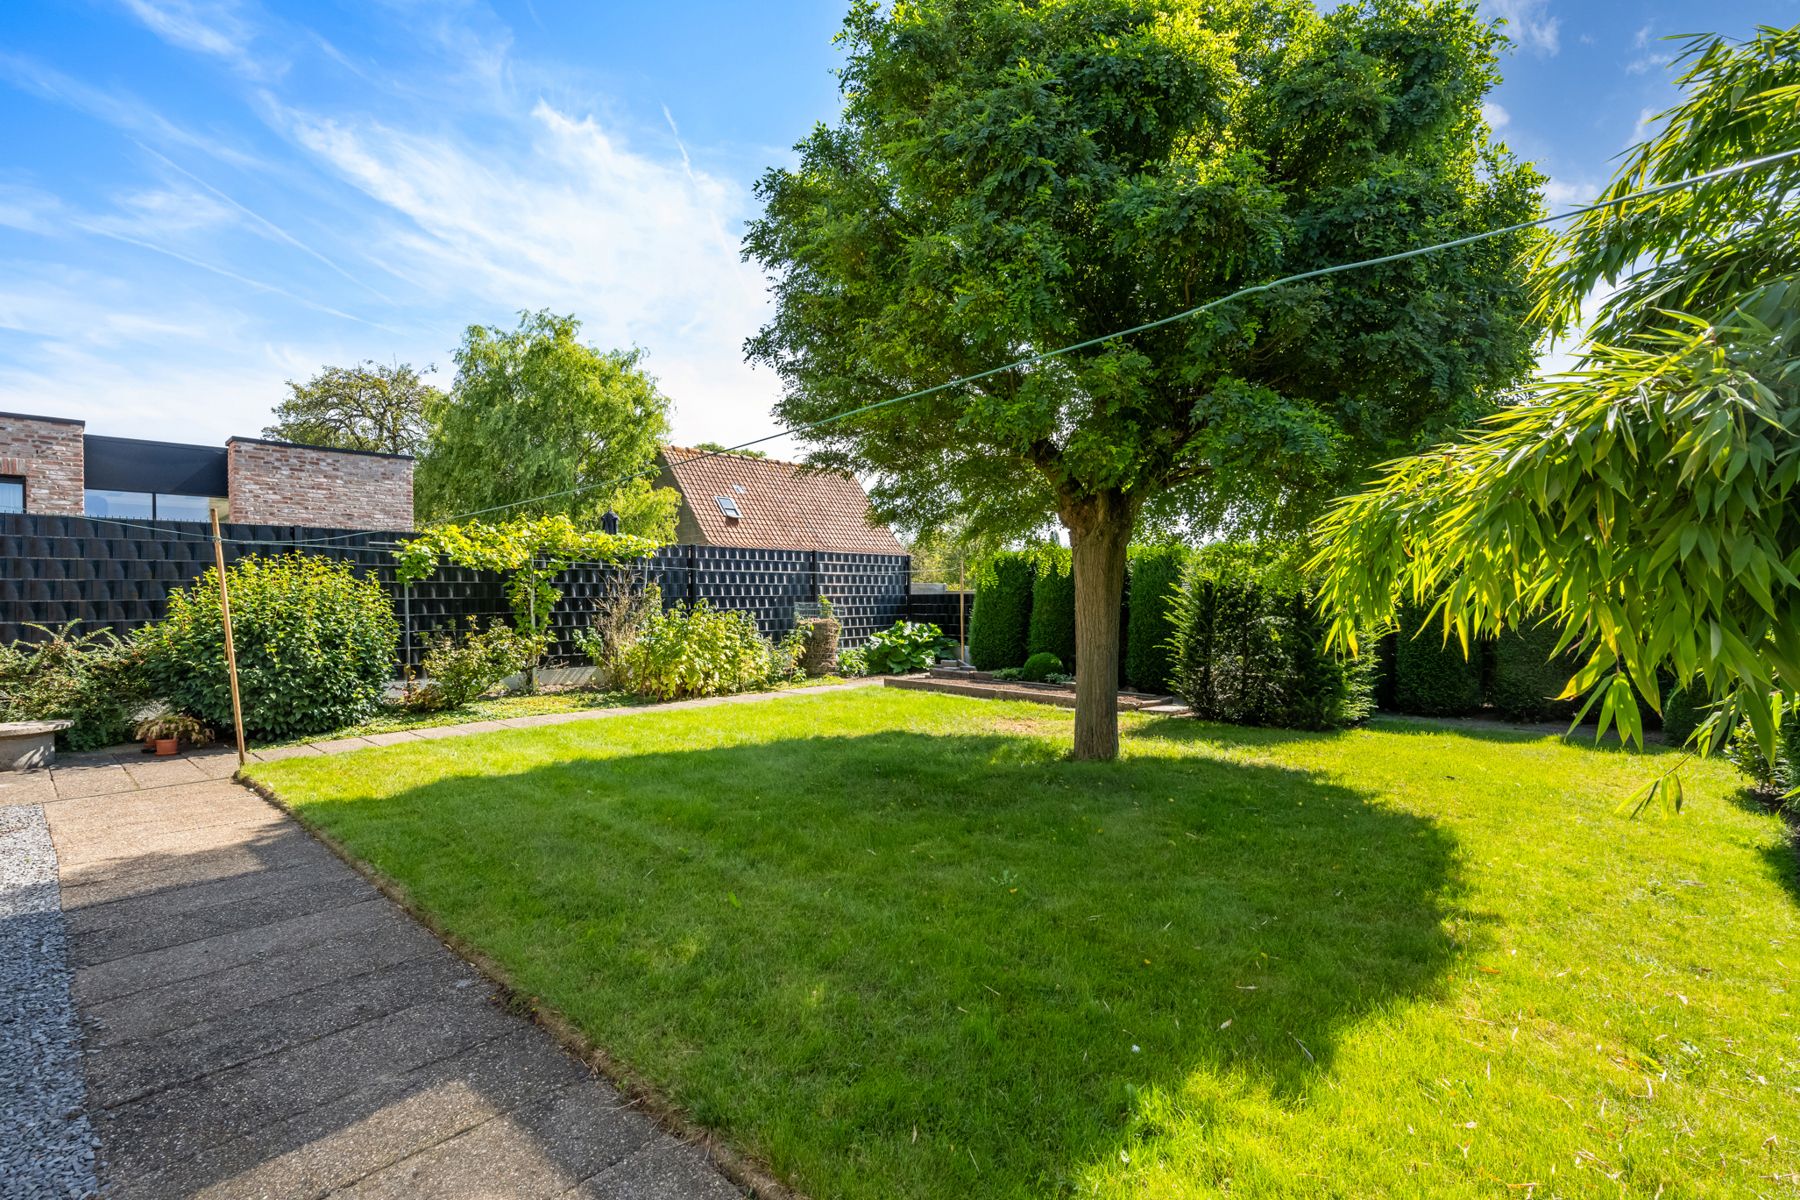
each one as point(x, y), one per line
point(27, 745)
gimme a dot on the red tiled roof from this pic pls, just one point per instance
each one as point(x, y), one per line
point(783, 505)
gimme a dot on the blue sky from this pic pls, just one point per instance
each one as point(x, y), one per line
point(200, 199)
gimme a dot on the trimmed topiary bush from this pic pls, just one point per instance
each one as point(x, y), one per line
point(1040, 667)
point(1002, 614)
point(1152, 579)
point(1249, 646)
point(1524, 680)
point(315, 646)
point(1052, 628)
point(1431, 676)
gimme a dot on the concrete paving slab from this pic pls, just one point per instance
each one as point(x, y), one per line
point(178, 1122)
point(115, 879)
point(387, 1120)
point(175, 1005)
point(149, 771)
point(392, 739)
point(666, 1169)
point(541, 1149)
point(332, 891)
point(155, 906)
point(124, 1071)
point(72, 783)
point(277, 753)
point(123, 976)
point(26, 787)
point(341, 745)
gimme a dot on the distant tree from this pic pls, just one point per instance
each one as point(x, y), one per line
point(721, 448)
point(365, 407)
point(539, 423)
point(1649, 500)
point(1010, 178)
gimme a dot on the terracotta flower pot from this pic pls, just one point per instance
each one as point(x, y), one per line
point(167, 747)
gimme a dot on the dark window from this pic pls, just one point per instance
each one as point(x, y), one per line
point(12, 493)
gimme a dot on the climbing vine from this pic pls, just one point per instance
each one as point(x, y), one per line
point(529, 551)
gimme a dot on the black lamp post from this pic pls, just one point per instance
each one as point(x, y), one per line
point(610, 522)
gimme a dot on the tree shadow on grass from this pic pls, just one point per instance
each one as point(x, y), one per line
point(904, 964)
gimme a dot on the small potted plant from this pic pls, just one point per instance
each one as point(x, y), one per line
point(165, 733)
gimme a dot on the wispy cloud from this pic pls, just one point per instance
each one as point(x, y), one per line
point(566, 214)
point(1495, 115)
point(218, 27)
point(1648, 53)
point(1528, 22)
point(119, 109)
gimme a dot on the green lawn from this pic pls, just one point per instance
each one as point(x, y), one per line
point(893, 945)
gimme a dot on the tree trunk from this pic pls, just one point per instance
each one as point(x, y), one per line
point(1099, 531)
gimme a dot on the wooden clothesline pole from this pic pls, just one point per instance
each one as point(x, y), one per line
point(237, 705)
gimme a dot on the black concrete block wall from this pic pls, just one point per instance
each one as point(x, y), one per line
point(117, 575)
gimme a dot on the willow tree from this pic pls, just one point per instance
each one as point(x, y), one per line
point(1010, 178)
point(1646, 500)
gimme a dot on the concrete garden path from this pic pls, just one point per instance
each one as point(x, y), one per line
point(254, 1019)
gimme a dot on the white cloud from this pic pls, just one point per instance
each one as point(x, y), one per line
point(1495, 115)
point(217, 28)
point(1561, 194)
point(564, 213)
point(1528, 22)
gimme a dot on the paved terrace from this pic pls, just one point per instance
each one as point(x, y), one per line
point(256, 1020)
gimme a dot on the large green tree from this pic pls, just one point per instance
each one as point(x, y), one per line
point(365, 407)
point(540, 423)
point(1645, 500)
point(1010, 178)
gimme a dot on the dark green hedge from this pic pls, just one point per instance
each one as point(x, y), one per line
point(1431, 676)
point(1524, 680)
point(1052, 629)
point(1152, 581)
point(1682, 710)
point(1250, 648)
point(1002, 613)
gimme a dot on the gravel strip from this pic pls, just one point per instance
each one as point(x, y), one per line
point(46, 1144)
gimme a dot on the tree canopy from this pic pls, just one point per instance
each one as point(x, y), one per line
point(1646, 499)
point(535, 412)
point(1007, 179)
point(365, 407)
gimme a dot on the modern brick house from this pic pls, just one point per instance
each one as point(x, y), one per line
point(737, 500)
point(52, 465)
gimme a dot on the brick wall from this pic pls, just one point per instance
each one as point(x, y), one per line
point(48, 453)
point(276, 484)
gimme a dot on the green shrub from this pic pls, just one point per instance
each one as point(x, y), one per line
point(620, 611)
point(1781, 776)
point(906, 646)
point(698, 651)
point(461, 669)
point(1249, 646)
point(1523, 677)
point(1431, 676)
point(1682, 714)
point(95, 679)
point(1002, 614)
point(852, 662)
point(315, 646)
point(1152, 579)
point(1039, 667)
point(1052, 628)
